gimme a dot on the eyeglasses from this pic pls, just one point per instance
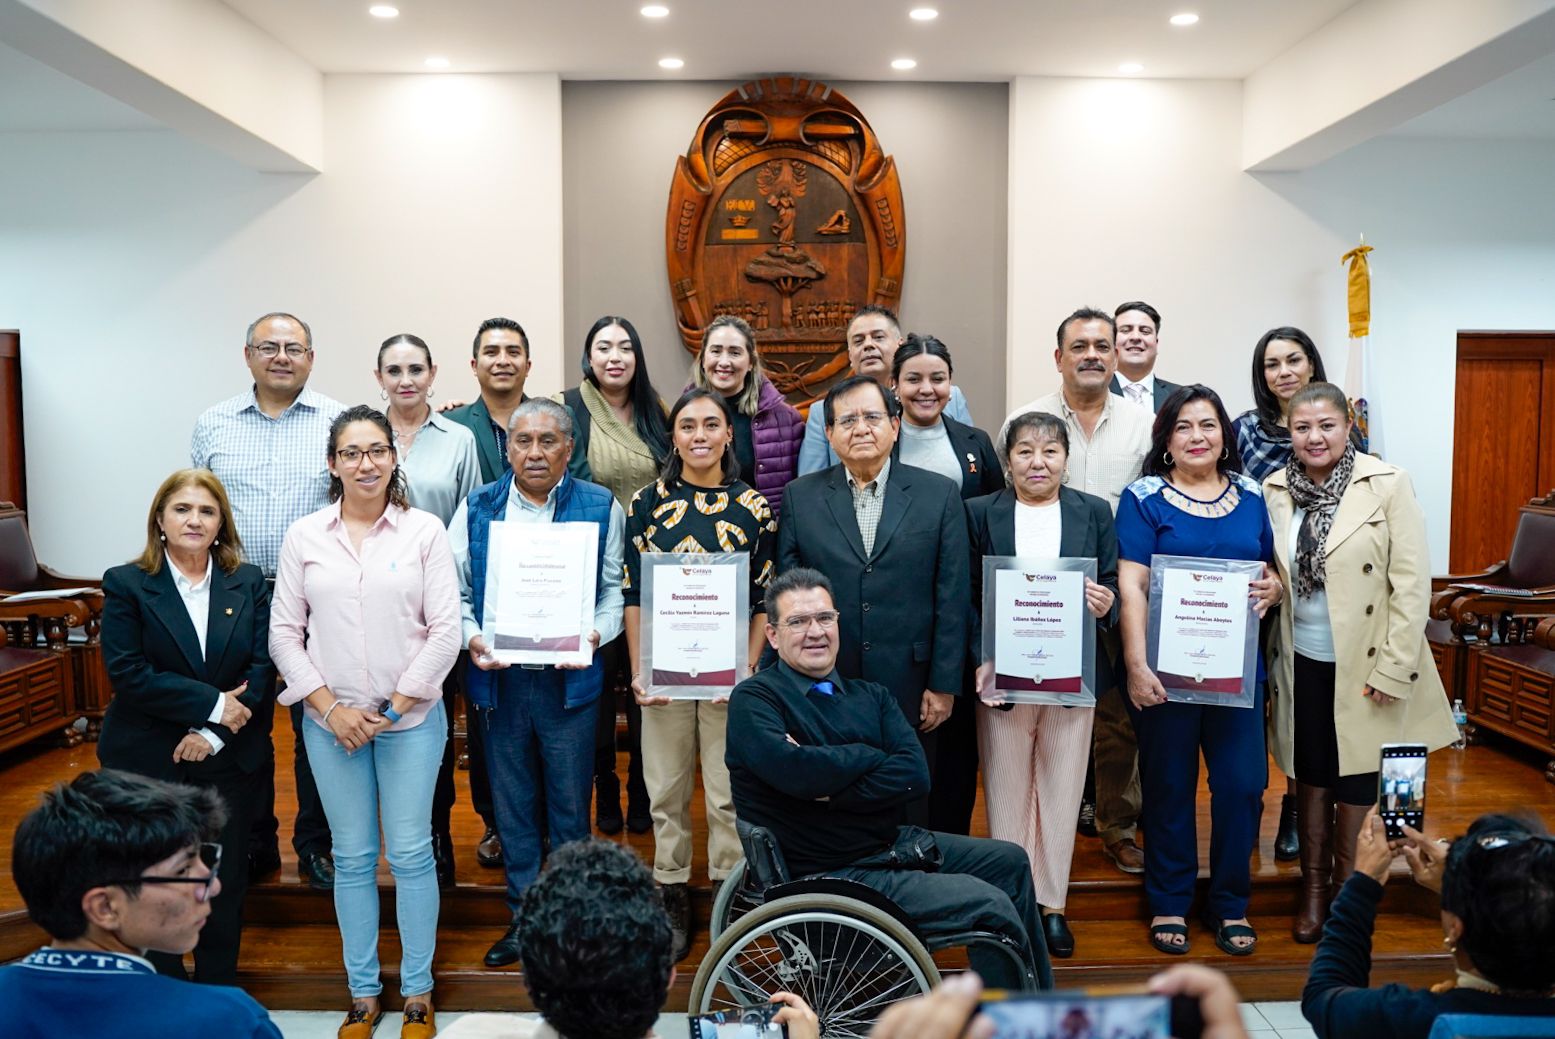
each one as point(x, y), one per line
point(210, 858)
point(801, 622)
point(294, 351)
point(871, 419)
point(379, 453)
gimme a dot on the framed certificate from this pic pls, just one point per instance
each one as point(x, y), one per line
point(695, 623)
point(1203, 637)
point(540, 587)
point(1037, 630)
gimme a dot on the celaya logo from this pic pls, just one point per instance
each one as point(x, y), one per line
point(1207, 578)
point(1039, 578)
point(695, 571)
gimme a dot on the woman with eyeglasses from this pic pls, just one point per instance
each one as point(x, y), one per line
point(1497, 887)
point(698, 504)
point(365, 626)
point(185, 637)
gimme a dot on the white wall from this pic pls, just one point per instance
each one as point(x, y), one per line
point(1133, 189)
point(133, 262)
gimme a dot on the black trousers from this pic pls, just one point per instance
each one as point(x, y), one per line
point(1317, 741)
point(310, 835)
point(953, 793)
point(981, 885)
point(444, 794)
point(618, 683)
point(216, 957)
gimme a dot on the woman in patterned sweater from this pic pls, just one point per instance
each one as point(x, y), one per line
point(698, 504)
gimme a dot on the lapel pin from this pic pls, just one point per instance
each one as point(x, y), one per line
point(229, 611)
point(971, 461)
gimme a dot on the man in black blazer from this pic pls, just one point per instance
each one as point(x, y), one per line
point(165, 688)
point(1139, 331)
point(893, 540)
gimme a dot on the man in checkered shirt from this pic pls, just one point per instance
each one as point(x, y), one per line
point(268, 447)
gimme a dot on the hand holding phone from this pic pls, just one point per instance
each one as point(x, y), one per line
point(1401, 787)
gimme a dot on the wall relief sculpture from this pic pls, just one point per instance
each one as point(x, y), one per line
point(786, 212)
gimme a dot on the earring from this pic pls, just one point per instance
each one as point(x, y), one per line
point(1166, 459)
point(383, 394)
point(215, 542)
point(430, 394)
point(1225, 453)
point(163, 536)
point(1065, 477)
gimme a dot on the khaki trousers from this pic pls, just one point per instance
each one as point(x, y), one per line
point(1117, 756)
point(672, 734)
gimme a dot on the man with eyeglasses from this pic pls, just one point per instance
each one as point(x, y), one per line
point(893, 540)
point(267, 447)
point(114, 866)
point(827, 763)
point(538, 720)
point(872, 339)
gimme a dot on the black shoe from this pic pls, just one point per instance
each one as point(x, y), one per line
point(1287, 845)
point(506, 949)
point(443, 855)
point(607, 804)
point(638, 818)
point(1060, 940)
point(317, 869)
point(1085, 826)
point(677, 903)
point(489, 851)
point(263, 862)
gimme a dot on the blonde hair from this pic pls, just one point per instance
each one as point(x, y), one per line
point(228, 550)
point(749, 398)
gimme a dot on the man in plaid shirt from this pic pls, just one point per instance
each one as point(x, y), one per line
point(268, 447)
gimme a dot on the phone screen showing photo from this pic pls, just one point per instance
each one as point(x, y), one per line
point(1401, 787)
point(742, 1023)
point(1078, 1016)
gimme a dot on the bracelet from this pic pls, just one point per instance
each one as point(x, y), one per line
point(392, 715)
point(332, 706)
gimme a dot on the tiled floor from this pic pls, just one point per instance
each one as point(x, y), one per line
point(1263, 1021)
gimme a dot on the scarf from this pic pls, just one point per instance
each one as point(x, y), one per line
point(1319, 501)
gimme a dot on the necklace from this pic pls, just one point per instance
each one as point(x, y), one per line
point(402, 438)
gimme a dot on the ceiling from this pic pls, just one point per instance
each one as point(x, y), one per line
point(1519, 105)
point(835, 39)
point(33, 96)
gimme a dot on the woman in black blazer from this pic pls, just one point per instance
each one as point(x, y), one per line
point(1034, 755)
point(921, 374)
point(185, 636)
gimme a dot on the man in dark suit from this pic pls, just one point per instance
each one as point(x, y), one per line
point(501, 365)
point(1139, 331)
point(893, 541)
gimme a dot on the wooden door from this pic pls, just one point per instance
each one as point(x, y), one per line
point(13, 457)
point(1503, 439)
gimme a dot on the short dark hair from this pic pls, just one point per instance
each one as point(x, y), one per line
point(647, 409)
point(673, 465)
point(1264, 400)
point(99, 828)
point(916, 346)
point(399, 491)
point(799, 579)
point(1086, 314)
point(1230, 460)
point(1144, 308)
point(506, 324)
point(595, 942)
point(1505, 896)
point(1045, 424)
point(876, 310)
point(307, 333)
point(893, 407)
point(406, 339)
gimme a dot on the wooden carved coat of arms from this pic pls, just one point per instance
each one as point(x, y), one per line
point(786, 212)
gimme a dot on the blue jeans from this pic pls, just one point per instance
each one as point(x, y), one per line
point(393, 778)
point(533, 738)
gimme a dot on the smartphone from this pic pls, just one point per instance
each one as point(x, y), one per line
point(1401, 787)
point(741, 1023)
point(1083, 1014)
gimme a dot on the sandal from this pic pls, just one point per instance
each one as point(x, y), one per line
point(1224, 933)
point(1169, 947)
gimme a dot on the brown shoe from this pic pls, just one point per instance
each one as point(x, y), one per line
point(1126, 855)
point(361, 1020)
point(489, 851)
point(419, 1022)
point(1315, 827)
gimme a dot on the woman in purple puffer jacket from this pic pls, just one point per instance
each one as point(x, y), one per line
point(767, 429)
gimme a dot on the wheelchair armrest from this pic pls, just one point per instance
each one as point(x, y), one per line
point(764, 864)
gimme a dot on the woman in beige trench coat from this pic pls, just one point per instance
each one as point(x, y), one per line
point(1349, 668)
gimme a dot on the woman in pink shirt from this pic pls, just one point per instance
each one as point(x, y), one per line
point(364, 626)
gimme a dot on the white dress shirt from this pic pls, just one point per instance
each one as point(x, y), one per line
point(1108, 460)
point(197, 600)
point(1039, 530)
point(1141, 392)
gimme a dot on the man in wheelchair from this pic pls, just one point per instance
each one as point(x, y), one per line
point(828, 766)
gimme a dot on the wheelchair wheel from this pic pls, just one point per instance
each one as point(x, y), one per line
point(847, 959)
point(727, 905)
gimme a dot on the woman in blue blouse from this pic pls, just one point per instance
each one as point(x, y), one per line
point(1192, 500)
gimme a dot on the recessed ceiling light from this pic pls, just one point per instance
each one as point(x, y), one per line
point(384, 11)
point(1130, 68)
point(903, 64)
point(655, 11)
point(437, 62)
point(670, 63)
point(923, 14)
point(1186, 18)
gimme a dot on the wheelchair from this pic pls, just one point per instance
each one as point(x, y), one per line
point(846, 949)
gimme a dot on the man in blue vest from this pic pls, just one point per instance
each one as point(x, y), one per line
point(113, 866)
point(538, 720)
